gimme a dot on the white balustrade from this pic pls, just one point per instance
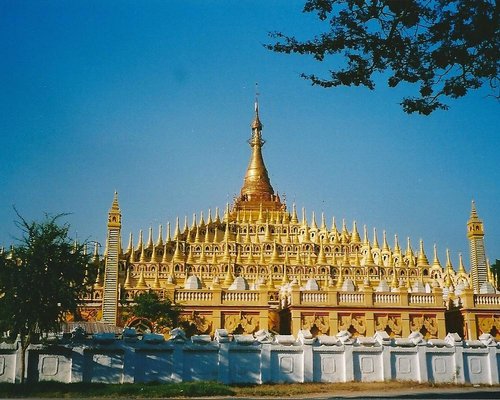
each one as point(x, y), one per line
point(387, 298)
point(421, 298)
point(350, 297)
point(193, 295)
point(240, 296)
point(487, 299)
point(313, 297)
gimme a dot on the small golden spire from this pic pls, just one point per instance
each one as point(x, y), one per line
point(285, 280)
point(345, 234)
point(142, 258)
point(98, 279)
point(267, 233)
point(257, 240)
point(168, 239)
point(190, 259)
point(369, 257)
point(217, 218)
point(313, 222)
point(294, 219)
point(270, 283)
point(307, 235)
point(409, 250)
point(202, 221)
point(321, 255)
point(153, 255)
point(340, 280)
point(247, 239)
point(159, 241)
point(262, 260)
point(216, 239)
point(275, 259)
point(355, 235)
point(156, 283)
point(385, 245)
point(214, 260)
point(334, 227)
point(176, 231)
point(448, 260)
point(185, 229)
point(394, 282)
point(345, 260)
point(250, 259)
point(411, 261)
point(298, 258)
point(228, 280)
point(206, 239)
point(287, 259)
point(140, 244)
point(197, 237)
point(375, 240)
point(178, 255)
point(435, 262)
point(164, 259)
point(227, 256)
point(209, 218)
point(150, 238)
point(357, 262)
point(461, 267)
point(226, 231)
point(422, 260)
point(260, 218)
point(127, 279)
point(130, 246)
point(95, 257)
point(304, 221)
point(141, 284)
point(238, 256)
point(323, 222)
point(194, 225)
point(203, 258)
point(365, 236)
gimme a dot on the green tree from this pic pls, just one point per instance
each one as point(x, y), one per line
point(495, 268)
point(41, 280)
point(161, 313)
point(446, 47)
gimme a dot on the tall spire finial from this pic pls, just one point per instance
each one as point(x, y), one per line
point(256, 124)
point(257, 94)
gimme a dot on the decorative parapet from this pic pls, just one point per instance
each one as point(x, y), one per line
point(487, 301)
point(322, 298)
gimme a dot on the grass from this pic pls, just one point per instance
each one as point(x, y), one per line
point(202, 389)
point(131, 390)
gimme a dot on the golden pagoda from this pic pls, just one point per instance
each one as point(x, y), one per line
point(260, 267)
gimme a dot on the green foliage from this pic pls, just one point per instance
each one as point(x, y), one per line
point(41, 279)
point(495, 268)
point(445, 47)
point(162, 313)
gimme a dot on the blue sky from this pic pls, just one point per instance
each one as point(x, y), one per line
point(155, 99)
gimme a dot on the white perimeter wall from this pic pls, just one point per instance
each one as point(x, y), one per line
point(247, 360)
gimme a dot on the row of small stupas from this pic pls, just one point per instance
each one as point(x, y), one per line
point(276, 248)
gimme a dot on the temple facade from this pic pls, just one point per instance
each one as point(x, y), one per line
point(259, 266)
